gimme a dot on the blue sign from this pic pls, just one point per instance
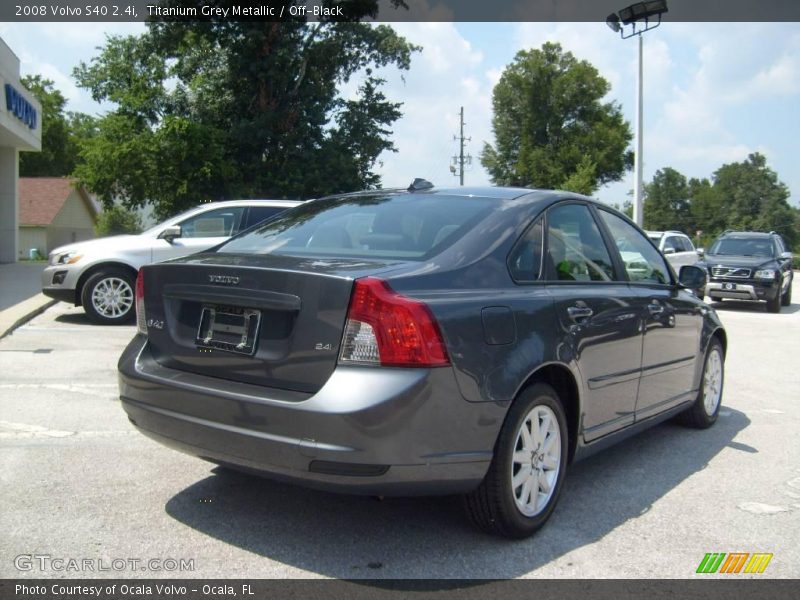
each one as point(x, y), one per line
point(22, 109)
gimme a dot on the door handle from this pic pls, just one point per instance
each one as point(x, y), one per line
point(655, 309)
point(579, 313)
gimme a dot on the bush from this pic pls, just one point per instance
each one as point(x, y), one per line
point(117, 220)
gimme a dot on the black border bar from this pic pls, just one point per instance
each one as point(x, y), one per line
point(386, 11)
point(711, 588)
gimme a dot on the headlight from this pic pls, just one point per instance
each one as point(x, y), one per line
point(65, 258)
point(765, 274)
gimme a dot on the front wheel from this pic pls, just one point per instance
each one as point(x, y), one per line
point(705, 410)
point(107, 297)
point(774, 305)
point(523, 483)
point(786, 299)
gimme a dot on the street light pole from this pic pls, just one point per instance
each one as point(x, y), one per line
point(633, 14)
point(638, 159)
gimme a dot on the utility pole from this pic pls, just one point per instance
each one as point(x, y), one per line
point(460, 160)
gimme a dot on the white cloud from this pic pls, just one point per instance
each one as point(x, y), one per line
point(447, 74)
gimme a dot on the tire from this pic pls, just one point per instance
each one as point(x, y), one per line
point(786, 299)
point(108, 297)
point(704, 411)
point(498, 506)
point(774, 305)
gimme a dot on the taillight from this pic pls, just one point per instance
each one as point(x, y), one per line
point(385, 328)
point(141, 319)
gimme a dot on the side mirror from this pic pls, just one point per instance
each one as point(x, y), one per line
point(786, 256)
point(693, 278)
point(669, 250)
point(170, 233)
point(701, 252)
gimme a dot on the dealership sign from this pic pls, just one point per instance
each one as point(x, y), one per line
point(22, 109)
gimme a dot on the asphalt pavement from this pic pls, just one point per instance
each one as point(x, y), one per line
point(79, 482)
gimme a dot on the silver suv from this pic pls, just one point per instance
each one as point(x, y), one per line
point(100, 274)
point(676, 247)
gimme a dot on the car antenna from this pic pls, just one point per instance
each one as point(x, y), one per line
point(419, 184)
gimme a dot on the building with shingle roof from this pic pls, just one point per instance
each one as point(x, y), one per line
point(53, 211)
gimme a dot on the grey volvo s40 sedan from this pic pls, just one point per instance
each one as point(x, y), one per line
point(423, 341)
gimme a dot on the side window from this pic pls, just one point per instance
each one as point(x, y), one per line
point(575, 247)
point(220, 222)
point(779, 245)
point(256, 214)
point(672, 243)
point(525, 262)
point(687, 244)
point(643, 263)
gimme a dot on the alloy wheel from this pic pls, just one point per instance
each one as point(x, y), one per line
point(112, 297)
point(536, 461)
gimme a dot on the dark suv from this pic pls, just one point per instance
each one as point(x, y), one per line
point(748, 265)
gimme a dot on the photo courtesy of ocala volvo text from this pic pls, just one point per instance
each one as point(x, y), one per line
point(423, 341)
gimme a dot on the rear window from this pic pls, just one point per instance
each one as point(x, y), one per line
point(402, 226)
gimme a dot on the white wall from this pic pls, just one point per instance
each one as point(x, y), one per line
point(9, 204)
point(14, 136)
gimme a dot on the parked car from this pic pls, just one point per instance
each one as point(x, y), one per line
point(748, 265)
point(100, 274)
point(429, 341)
point(676, 247)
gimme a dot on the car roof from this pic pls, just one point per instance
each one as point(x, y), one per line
point(250, 202)
point(669, 231)
point(748, 234)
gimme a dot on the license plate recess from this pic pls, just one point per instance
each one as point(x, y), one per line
point(229, 328)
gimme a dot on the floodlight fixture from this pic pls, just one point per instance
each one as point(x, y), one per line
point(647, 11)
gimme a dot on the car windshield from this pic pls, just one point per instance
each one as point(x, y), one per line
point(157, 228)
point(742, 247)
point(396, 226)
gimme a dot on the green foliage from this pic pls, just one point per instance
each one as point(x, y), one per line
point(551, 128)
point(116, 220)
point(666, 204)
point(240, 109)
point(743, 196)
point(62, 133)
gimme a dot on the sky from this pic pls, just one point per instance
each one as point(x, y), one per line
point(713, 92)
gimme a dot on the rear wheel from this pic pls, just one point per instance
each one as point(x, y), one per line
point(107, 297)
point(705, 410)
point(524, 480)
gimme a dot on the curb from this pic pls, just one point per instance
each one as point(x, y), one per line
point(21, 313)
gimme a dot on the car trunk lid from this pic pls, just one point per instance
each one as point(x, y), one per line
point(269, 320)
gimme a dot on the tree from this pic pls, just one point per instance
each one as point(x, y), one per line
point(745, 196)
point(754, 199)
point(234, 108)
point(706, 207)
point(551, 128)
point(666, 204)
point(116, 219)
point(62, 133)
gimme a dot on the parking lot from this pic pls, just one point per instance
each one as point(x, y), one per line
point(78, 482)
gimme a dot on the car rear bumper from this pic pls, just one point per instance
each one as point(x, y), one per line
point(367, 430)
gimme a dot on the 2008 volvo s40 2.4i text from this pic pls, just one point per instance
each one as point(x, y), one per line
point(423, 341)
